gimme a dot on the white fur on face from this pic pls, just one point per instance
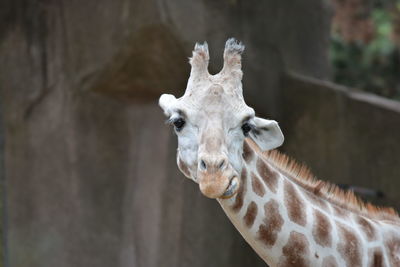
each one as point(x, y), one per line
point(213, 124)
point(214, 111)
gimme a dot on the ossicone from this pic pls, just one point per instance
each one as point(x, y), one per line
point(199, 61)
point(233, 58)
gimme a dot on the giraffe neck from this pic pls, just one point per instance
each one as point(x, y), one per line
point(290, 226)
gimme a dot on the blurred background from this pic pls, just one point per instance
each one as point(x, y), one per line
point(87, 165)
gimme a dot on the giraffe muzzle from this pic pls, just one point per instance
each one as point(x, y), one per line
point(219, 186)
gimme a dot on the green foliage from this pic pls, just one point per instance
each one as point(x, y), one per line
point(374, 66)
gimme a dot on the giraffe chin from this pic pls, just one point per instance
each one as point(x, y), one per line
point(232, 189)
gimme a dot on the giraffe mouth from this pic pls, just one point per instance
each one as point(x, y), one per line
point(232, 188)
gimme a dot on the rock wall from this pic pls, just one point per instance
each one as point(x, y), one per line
point(3, 197)
point(89, 164)
point(345, 136)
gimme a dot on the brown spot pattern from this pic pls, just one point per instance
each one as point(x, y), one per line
point(375, 257)
point(296, 251)
point(251, 214)
point(329, 261)
point(242, 190)
point(269, 176)
point(367, 228)
point(294, 204)
point(322, 229)
point(272, 225)
point(257, 186)
point(317, 200)
point(393, 249)
point(248, 153)
point(349, 247)
point(183, 167)
point(340, 212)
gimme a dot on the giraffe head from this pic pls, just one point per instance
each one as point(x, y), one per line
point(212, 120)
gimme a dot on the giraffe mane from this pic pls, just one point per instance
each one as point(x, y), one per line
point(346, 199)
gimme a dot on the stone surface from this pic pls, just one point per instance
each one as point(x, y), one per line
point(89, 164)
point(345, 136)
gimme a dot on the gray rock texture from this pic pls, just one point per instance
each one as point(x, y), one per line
point(345, 136)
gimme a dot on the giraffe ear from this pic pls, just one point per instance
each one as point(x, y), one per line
point(267, 134)
point(167, 102)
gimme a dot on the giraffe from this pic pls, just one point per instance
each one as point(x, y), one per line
point(288, 217)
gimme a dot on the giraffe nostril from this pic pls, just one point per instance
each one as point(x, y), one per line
point(221, 164)
point(203, 165)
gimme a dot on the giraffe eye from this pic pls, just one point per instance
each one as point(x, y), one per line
point(246, 128)
point(179, 123)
